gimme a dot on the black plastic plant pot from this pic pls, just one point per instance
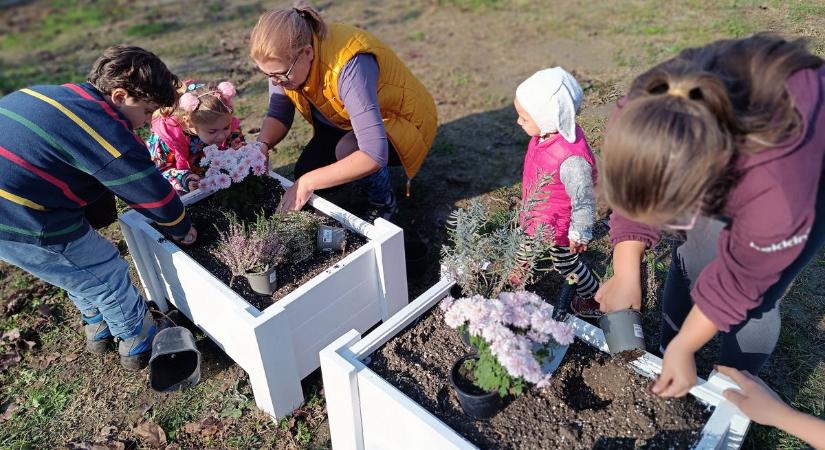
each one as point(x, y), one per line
point(623, 330)
point(176, 362)
point(415, 254)
point(331, 239)
point(475, 403)
point(263, 283)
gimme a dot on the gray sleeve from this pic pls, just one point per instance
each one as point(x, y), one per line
point(280, 106)
point(358, 90)
point(577, 176)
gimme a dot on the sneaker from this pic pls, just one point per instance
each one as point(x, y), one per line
point(586, 308)
point(98, 336)
point(136, 350)
point(385, 211)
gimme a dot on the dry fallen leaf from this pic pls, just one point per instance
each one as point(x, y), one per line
point(107, 433)
point(45, 310)
point(13, 305)
point(7, 410)
point(207, 427)
point(151, 434)
point(41, 362)
point(9, 359)
point(72, 356)
point(10, 335)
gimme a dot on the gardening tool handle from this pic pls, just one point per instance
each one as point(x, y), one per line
point(562, 307)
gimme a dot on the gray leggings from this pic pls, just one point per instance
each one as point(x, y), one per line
point(748, 345)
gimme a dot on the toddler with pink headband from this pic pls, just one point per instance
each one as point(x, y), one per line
point(203, 117)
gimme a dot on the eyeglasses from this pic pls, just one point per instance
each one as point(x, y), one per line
point(683, 222)
point(282, 78)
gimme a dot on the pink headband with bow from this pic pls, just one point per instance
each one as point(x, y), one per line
point(189, 102)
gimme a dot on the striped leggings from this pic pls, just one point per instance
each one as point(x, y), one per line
point(567, 263)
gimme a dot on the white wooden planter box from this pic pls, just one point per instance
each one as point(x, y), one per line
point(367, 412)
point(278, 346)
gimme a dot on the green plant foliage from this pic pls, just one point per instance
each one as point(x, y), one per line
point(298, 231)
point(243, 196)
point(489, 251)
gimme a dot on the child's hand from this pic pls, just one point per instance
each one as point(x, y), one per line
point(620, 292)
point(578, 247)
point(193, 182)
point(678, 372)
point(188, 239)
point(754, 398)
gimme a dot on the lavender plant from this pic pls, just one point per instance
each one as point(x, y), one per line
point(489, 251)
point(246, 249)
point(515, 335)
point(297, 230)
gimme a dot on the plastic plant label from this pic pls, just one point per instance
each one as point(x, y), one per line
point(326, 236)
point(273, 276)
point(637, 331)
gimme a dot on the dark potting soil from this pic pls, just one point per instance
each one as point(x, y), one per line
point(593, 402)
point(207, 216)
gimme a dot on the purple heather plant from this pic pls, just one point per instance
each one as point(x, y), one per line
point(515, 335)
point(246, 249)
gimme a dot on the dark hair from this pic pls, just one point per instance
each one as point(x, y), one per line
point(142, 74)
point(687, 120)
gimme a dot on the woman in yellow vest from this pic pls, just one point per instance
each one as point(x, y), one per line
point(367, 109)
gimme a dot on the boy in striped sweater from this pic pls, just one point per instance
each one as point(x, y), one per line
point(62, 148)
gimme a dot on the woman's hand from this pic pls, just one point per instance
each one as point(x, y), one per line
point(678, 371)
point(754, 398)
point(623, 291)
point(296, 196)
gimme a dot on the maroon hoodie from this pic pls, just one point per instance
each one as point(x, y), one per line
point(771, 212)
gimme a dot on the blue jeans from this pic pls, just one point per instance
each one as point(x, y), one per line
point(91, 271)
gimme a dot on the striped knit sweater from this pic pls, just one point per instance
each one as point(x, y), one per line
point(62, 147)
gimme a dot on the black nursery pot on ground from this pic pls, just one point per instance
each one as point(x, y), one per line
point(264, 283)
point(176, 362)
point(475, 402)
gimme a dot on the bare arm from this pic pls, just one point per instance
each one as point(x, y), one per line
point(624, 289)
point(762, 405)
point(354, 167)
point(272, 132)
point(679, 362)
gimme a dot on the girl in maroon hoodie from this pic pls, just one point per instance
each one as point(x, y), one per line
point(724, 144)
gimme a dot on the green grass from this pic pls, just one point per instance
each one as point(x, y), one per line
point(41, 398)
point(417, 36)
point(803, 10)
point(474, 5)
point(150, 29)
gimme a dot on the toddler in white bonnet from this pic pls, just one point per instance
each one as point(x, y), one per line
point(547, 104)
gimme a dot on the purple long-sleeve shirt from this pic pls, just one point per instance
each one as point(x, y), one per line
point(357, 86)
point(772, 210)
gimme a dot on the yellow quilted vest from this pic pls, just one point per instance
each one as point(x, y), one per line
point(407, 108)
